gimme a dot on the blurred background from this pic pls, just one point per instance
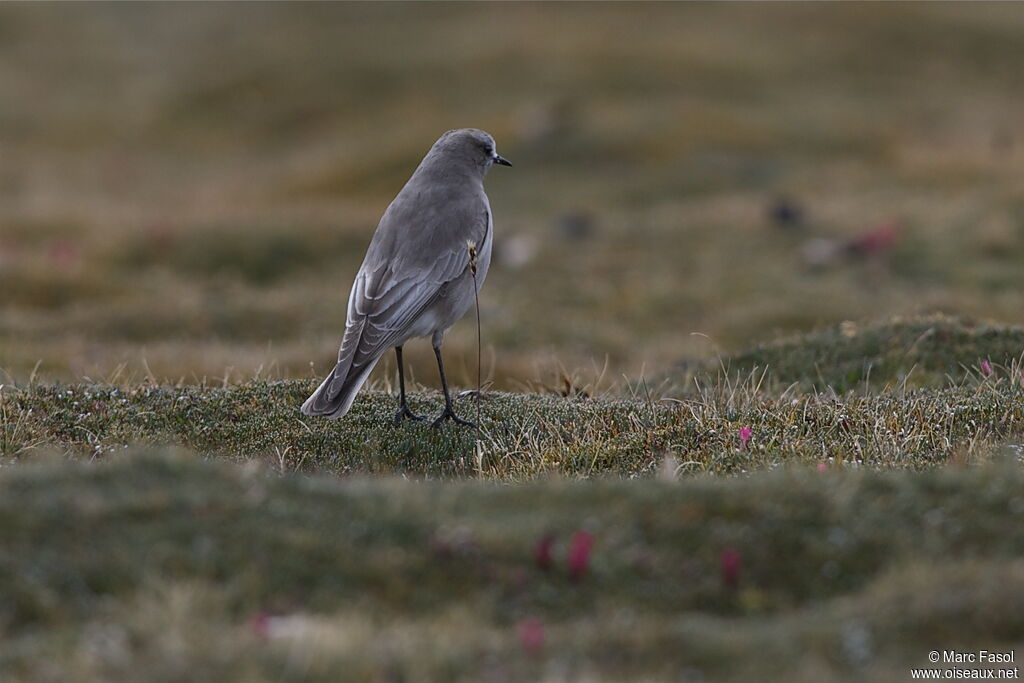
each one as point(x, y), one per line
point(186, 191)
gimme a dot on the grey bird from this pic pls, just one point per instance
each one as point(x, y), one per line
point(431, 247)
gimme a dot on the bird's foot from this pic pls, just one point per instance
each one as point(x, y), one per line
point(449, 414)
point(404, 413)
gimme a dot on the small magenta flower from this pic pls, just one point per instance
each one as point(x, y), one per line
point(986, 368)
point(579, 554)
point(745, 434)
point(531, 635)
point(63, 253)
point(260, 623)
point(542, 552)
point(822, 467)
point(730, 566)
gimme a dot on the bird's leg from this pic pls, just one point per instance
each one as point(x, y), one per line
point(449, 411)
point(403, 407)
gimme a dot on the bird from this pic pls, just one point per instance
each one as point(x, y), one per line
point(425, 265)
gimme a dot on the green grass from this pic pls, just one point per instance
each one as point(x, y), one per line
point(956, 412)
point(525, 436)
point(215, 533)
point(187, 207)
point(161, 564)
point(930, 351)
point(185, 194)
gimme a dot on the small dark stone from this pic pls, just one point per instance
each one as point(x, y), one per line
point(785, 213)
point(575, 225)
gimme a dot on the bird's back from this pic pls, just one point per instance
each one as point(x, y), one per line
point(416, 279)
point(427, 219)
point(412, 281)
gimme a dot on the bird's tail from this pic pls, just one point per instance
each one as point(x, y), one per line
point(335, 394)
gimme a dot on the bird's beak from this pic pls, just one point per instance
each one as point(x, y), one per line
point(498, 159)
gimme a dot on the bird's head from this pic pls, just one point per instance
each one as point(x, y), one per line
point(469, 146)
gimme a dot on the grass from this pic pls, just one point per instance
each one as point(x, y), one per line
point(724, 220)
point(526, 436)
point(579, 435)
point(902, 418)
point(151, 562)
point(185, 207)
point(930, 351)
point(214, 533)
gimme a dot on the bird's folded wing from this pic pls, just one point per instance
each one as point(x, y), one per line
point(385, 303)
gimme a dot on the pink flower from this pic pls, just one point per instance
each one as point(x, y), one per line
point(822, 467)
point(260, 624)
point(63, 254)
point(875, 241)
point(579, 554)
point(745, 434)
point(542, 552)
point(531, 635)
point(730, 565)
point(986, 368)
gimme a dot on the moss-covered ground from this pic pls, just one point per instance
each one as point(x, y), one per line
point(729, 527)
point(192, 570)
point(698, 400)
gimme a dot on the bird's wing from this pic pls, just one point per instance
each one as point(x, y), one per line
point(391, 299)
point(388, 295)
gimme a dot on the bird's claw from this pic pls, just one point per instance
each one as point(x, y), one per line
point(404, 413)
point(449, 414)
